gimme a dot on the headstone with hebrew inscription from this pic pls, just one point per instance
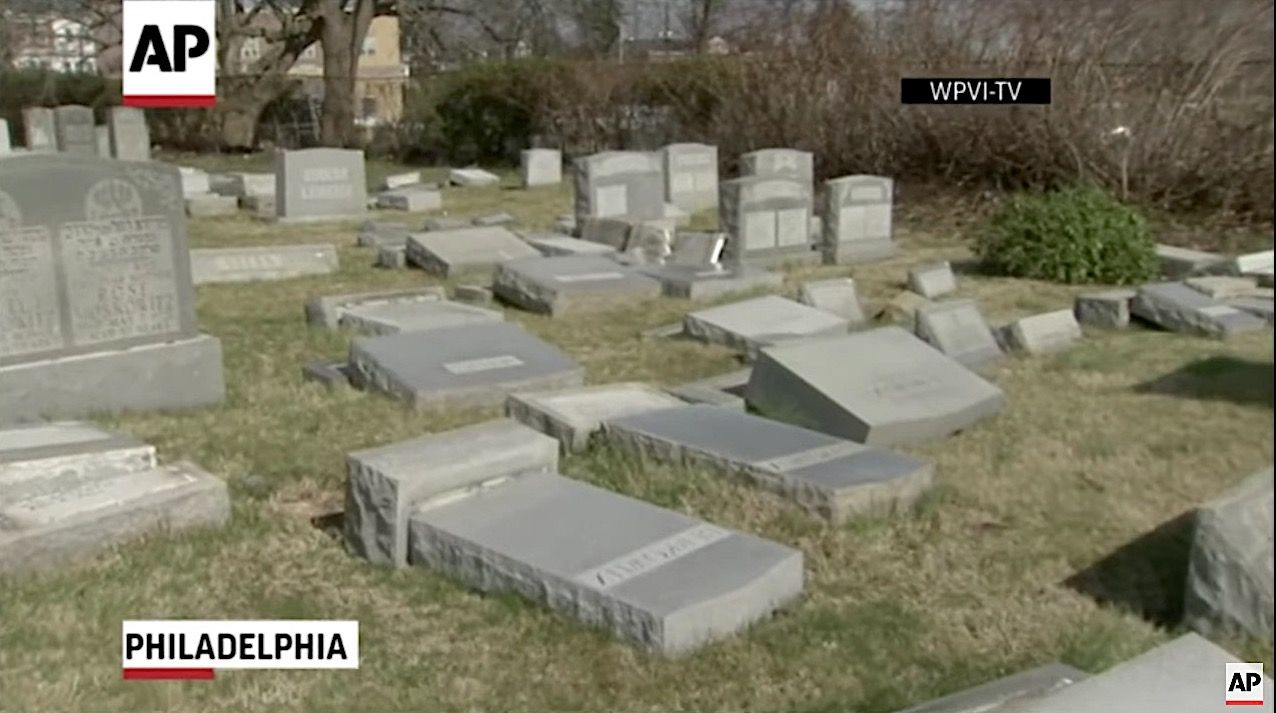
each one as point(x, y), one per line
point(781, 163)
point(857, 220)
point(76, 131)
point(320, 184)
point(619, 184)
point(768, 220)
point(40, 129)
point(460, 367)
point(98, 309)
point(272, 262)
point(541, 167)
point(880, 387)
point(571, 285)
point(659, 579)
point(130, 137)
point(691, 176)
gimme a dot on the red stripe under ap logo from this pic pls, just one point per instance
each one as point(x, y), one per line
point(169, 53)
point(168, 674)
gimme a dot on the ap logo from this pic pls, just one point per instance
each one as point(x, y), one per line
point(170, 53)
point(1244, 684)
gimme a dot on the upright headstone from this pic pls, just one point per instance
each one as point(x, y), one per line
point(857, 220)
point(320, 184)
point(619, 184)
point(6, 144)
point(130, 137)
point(541, 167)
point(98, 304)
point(768, 220)
point(781, 163)
point(691, 176)
point(75, 130)
point(102, 135)
point(40, 129)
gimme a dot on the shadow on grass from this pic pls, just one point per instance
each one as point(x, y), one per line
point(1217, 378)
point(1146, 576)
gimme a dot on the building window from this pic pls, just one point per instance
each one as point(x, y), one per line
point(250, 51)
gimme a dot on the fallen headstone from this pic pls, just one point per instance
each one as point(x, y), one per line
point(857, 220)
point(1258, 306)
point(710, 283)
point(1225, 287)
point(1179, 308)
point(400, 180)
point(393, 317)
point(445, 222)
point(573, 416)
point(571, 285)
point(194, 181)
point(697, 249)
point(541, 167)
point(933, 280)
point(1255, 263)
point(903, 308)
point(1229, 579)
point(726, 390)
point(956, 328)
point(385, 483)
point(762, 321)
point(209, 205)
point(881, 387)
point(458, 367)
point(1177, 263)
point(612, 232)
point(448, 253)
point(501, 218)
point(649, 244)
point(1005, 695)
point(1108, 309)
point(835, 296)
point(1044, 333)
point(327, 310)
point(270, 262)
point(412, 199)
point(374, 233)
point(320, 184)
point(828, 476)
point(472, 177)
point(69, 489)
point(554, 245)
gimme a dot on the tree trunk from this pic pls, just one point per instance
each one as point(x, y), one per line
point(342, 36)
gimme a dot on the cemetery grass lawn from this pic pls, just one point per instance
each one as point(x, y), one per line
point(1097, 447)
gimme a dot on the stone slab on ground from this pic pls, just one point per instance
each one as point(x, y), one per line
point(1044, 333)
point(384, 483)
point(958, 329)
point(1007, 694)
point(413, 199)
point(472, 177)
point(1224, 287)
point(1255, 263)
point(759, 322)
point(881, 387)
point(327, 310)
point(375, 233)
point(1187, 674)
point(553, 245)
point(1179, 308)
point(836, 296)
point(272, 262)
point(1109, 309)
point(1257, 306)
point(400, 180)
point(1229, 579)
point(828, 476)
point(415, 316)
point(448, 253)
point(726, 390)
point(392, 256)
point(571, 285)
point(1177, 263)
point(573, 416)
point(709, 283)
point(211, 205)
point(660, 579)
point(698, 249)
point(490, 219)
point(459, 367)
point(933, 280)
point(474, 294)
point(330, 374)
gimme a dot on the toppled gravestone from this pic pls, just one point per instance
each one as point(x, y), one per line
point(1179, 308)
point(574, 415)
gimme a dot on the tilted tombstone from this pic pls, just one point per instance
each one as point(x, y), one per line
point(578, 284)
point(102, 136)
point(697, 249)
point(573, 416)
point(1007, 694)
point(880, 387)
point(857, 220)
point(448, 253)
point(689, 282)
point(40, 129)
point(691, 176)
point(1044, 333)
point(394, 317)
point(752, 324)
point(97, 268)
point(781, 163)
point(619, 184)
point(956, 328)
point(320, 184)
point(328, 310)
point(555, 245)
point(768, 220)
point(1179, 308)
point(932, 280)
point(130, 137)
point(75, 130)
point(836, 296)
point(541, 167)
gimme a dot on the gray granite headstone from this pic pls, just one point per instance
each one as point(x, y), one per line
point(857, 220)
point(1179, 308)
point(956, 328)
point(619, 184)
point(697, 249)
point(836, 296)
point(445, 222)
point(880, 387)
point(491, 219)
point(327, 311)
point(573, 416)
point(1258, 306)
point(40, 129)
point(102, 135)
point(554, 245)
point(130, 137)
point(688, 282)
point(194, 181)
point(472, 177)
point(831, 477)
point(374, 233)
point(457, 367)
point(320, 184)
point(96, 267)
point(400, 180)
point(413, 199)
point(759, 322)
point(1225, 287)
point(466, 250)
point(393, 317)
point(1005, 695)
point(932, 280)
point(271, 262)
point(691, 176)
point(1044, 333)
point(724, 390)
point(1177, 263)
point(1109, 309)
point(768, 219)
point(541, 167)
point(75, 130)
point(6, 143)
point(571, 285)
point(781, 163)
